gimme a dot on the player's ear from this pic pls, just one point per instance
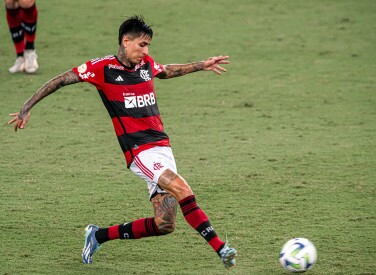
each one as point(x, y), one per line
point(125, 40)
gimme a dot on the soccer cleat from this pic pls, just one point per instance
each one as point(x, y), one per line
point(228, 255)
point(91, 244)
point(31, 64)
point(18, 66)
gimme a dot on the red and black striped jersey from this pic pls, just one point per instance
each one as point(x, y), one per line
point(130, 99)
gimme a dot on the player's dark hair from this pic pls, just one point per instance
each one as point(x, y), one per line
point(135, 26)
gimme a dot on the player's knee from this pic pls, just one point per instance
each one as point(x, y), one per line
point(11, 4)
point(166, 227)
point(174, 184)
point(26, 3)
point(185, 190)
point(181, 190)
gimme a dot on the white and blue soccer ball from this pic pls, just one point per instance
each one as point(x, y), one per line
point(298, 255)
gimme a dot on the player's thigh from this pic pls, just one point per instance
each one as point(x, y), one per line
point(150, 164)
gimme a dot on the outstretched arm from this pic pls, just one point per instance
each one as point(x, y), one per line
point(22, 117)
point(210, 64)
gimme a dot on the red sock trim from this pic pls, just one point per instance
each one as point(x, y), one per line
point(30, 15)
point(196, 218)
point(15, 13)
point(186, 199)
point(113, 232)
point(216, 243)
point(145, 227)
point(189, 208)
point(138, 228)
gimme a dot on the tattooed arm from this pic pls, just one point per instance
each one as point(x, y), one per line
point(22, 117)
point(210, 64)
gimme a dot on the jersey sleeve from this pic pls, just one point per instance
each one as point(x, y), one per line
point(156, 67)
point(91, 72)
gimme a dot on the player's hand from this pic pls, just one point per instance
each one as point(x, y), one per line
point(212, 64)
point(19, 119)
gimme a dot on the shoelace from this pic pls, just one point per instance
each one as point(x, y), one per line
point(31, 57)
point(19, 61)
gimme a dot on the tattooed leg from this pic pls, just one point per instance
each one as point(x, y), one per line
point(165, 206)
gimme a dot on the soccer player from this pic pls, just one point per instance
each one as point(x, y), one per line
point(22, 22)
point(125, 84)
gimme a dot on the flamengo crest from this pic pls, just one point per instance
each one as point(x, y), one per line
point(157, 166)
point(145, 75)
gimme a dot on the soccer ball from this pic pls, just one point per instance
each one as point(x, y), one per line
point(298, 255)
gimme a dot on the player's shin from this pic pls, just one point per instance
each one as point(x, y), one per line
point(194, 215)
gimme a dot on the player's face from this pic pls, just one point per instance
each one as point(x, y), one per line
point(136, 48)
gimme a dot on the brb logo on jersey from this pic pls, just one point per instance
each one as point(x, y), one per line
point(139, 101)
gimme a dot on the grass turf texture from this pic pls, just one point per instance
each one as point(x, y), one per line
point(280, 146)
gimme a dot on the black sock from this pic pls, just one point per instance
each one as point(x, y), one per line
point(29, 46)
point(102, 235)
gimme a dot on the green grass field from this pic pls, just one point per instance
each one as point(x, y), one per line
point(283, 145)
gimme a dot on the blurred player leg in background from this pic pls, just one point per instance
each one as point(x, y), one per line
point(13, 13)
point(29, 15)
point(22, 20)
